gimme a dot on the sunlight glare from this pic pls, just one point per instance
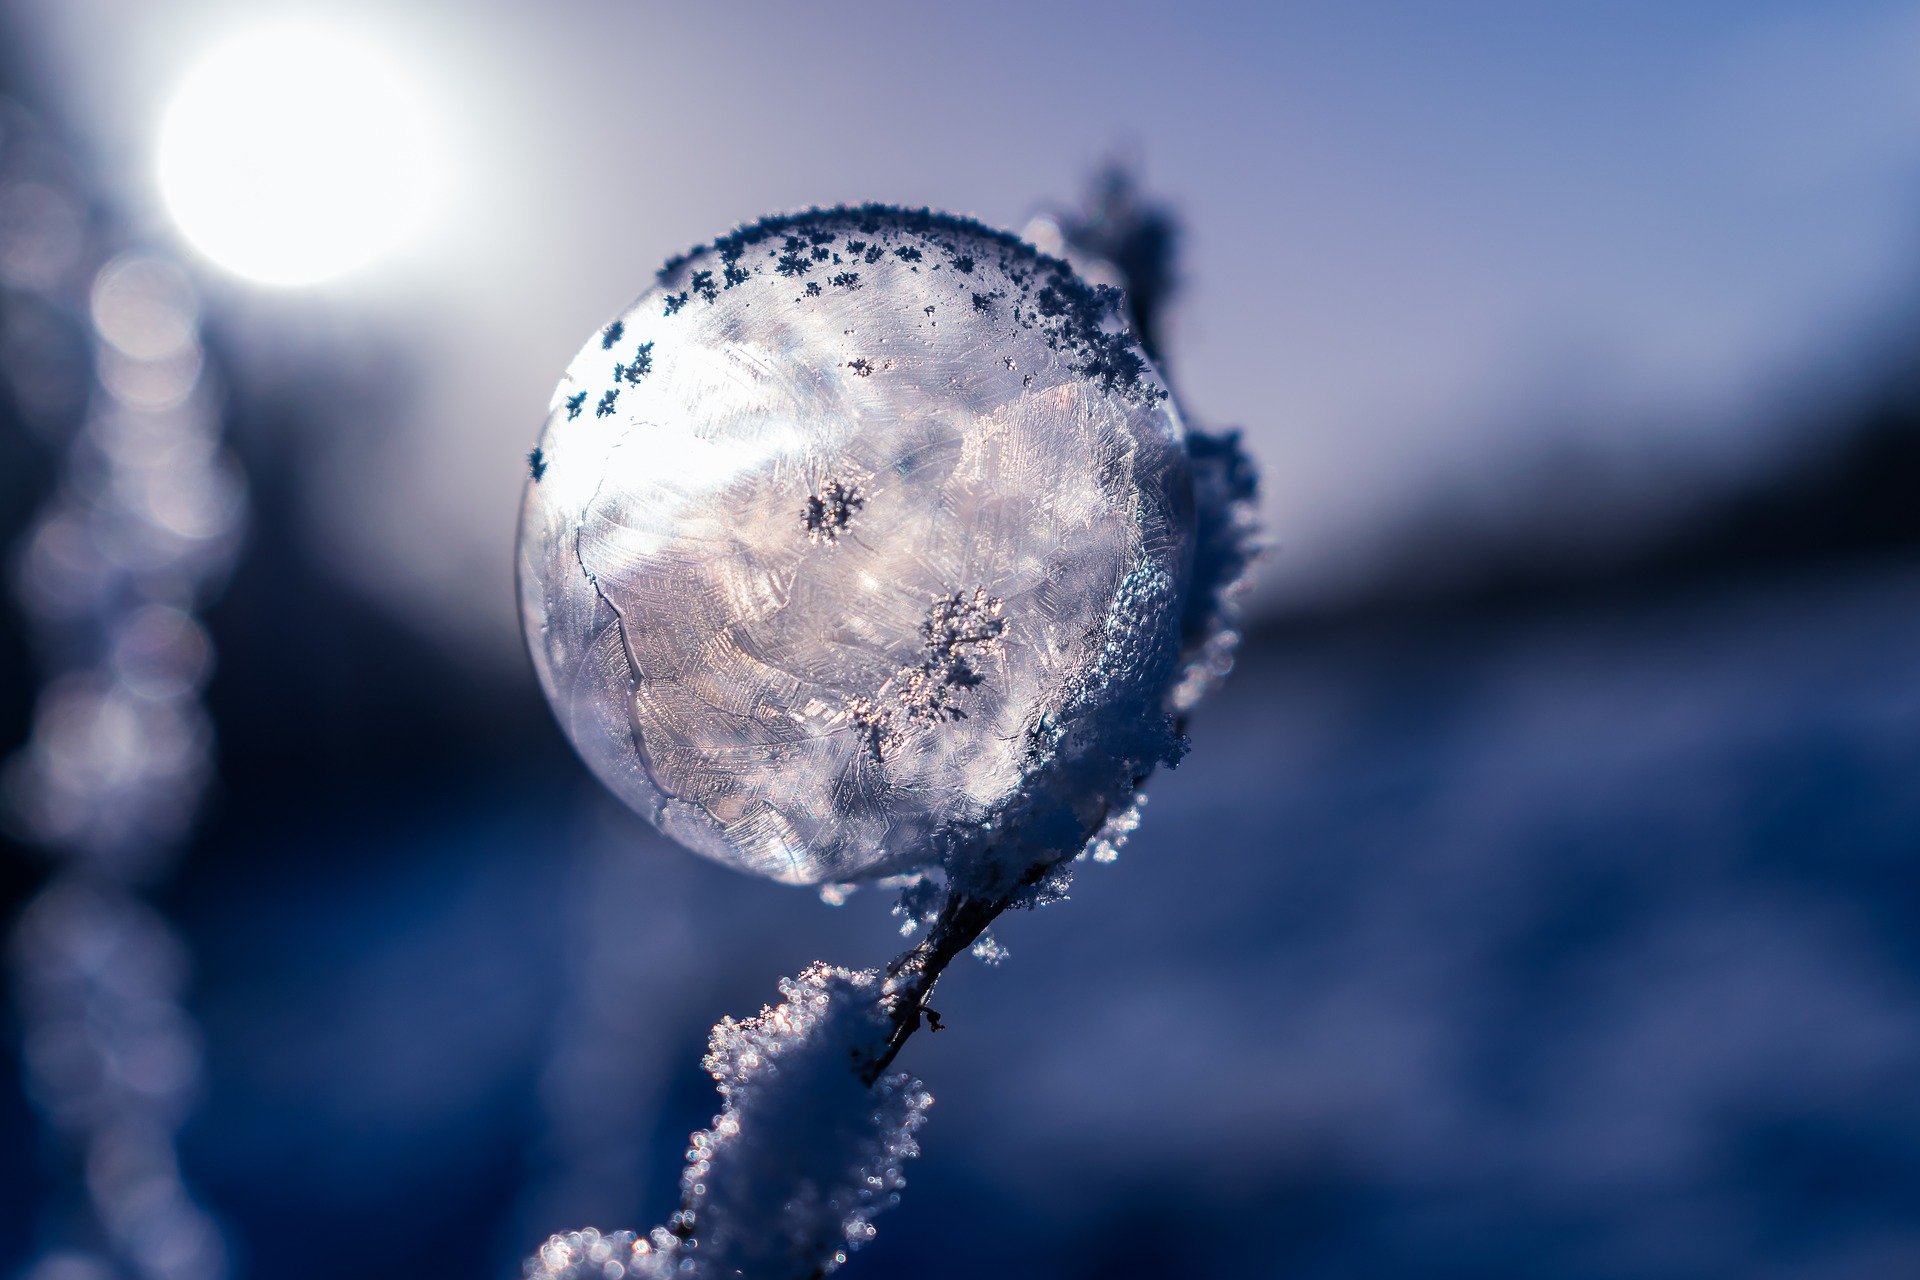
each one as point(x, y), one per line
point(295, 153)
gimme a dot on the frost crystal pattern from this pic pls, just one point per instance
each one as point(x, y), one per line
point(868, 506)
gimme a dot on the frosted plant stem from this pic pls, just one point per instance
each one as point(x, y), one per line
point(815, 1127)
point(913, 973)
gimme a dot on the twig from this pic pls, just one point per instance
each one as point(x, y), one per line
point(912, 974)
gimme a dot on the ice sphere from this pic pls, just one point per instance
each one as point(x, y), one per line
point(857, 531)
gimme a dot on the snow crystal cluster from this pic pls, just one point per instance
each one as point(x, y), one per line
point(804, 1153)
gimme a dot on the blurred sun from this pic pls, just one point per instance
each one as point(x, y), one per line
point(295, 153)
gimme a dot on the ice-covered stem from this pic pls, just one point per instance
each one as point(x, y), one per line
point(911, 977)
point(810, 1142)
point(807, 1148)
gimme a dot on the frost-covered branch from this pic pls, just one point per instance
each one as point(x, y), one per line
point(808, 1147)
point(815, 1127)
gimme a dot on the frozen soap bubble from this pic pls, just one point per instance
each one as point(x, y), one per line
point(859, 539)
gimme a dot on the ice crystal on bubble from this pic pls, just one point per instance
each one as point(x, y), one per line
point(960, 631)
point(776, 697)
point(827, 514)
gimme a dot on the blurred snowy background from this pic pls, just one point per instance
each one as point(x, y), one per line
point(1540, 899)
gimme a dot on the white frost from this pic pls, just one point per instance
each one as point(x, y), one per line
point(803, 1155)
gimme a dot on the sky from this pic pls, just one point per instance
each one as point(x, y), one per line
point(1427, 247)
